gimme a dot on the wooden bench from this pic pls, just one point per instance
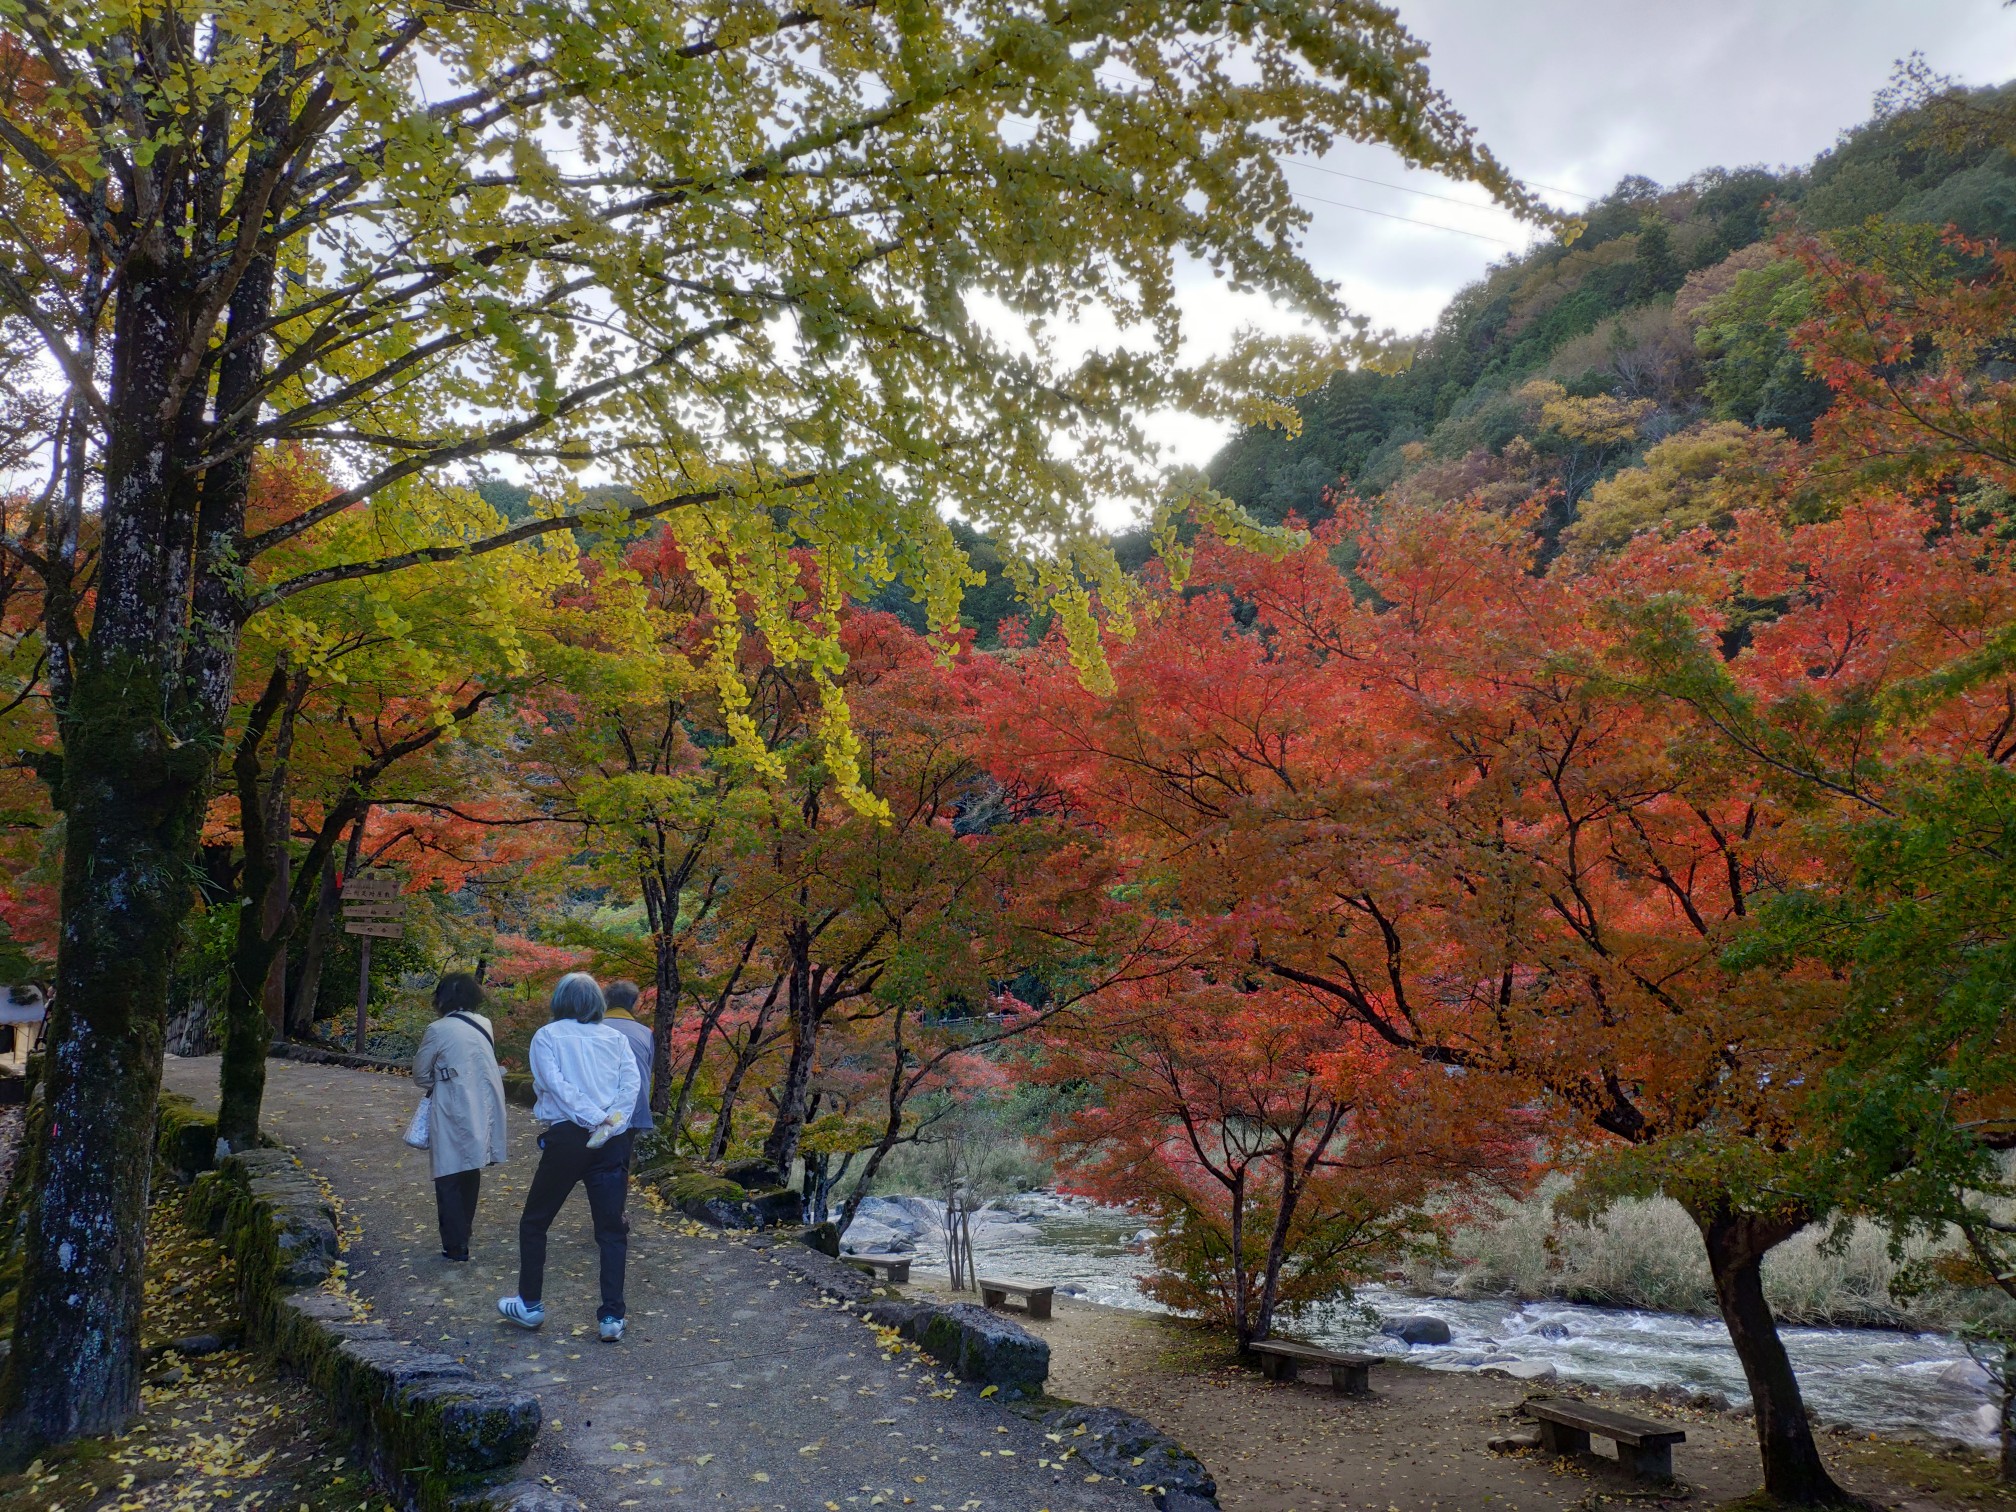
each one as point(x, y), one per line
point(1565, 1427)
point(1038, 1298)
point(896, 1268)
point(1283, 1359)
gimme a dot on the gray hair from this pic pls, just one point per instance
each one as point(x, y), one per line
point(577, 996)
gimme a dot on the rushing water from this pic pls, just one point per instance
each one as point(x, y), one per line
point(1872, 1378)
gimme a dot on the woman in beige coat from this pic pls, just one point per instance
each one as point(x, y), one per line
point(457, 1068)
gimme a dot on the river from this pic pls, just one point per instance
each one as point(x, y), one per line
point(1876, 1379)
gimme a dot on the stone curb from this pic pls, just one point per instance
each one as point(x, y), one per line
point(441, 1439)
point(1134, 1451)
point(315, 1055)
point(987, 1348)
point(991, 1349)
point(976, 1343)
point(834, 1278)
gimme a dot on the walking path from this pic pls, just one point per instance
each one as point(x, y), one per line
point(737, 1384)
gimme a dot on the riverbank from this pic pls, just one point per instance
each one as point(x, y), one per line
point(1419, 1442)
point(1895, 1383)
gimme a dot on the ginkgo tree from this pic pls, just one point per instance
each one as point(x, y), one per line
point(737, 256)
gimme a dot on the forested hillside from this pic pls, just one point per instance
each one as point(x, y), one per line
point(1666, 317)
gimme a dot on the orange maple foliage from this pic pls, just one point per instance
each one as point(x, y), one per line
point(1441, 799)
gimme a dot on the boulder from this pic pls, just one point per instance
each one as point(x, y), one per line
point(1553, 1328)
point(655, 1151)
point(778, 1207)
point(909, 1216)
point(1136, 1453)
point(1026, 1233)
point(1963, 1373)
point(756, 1175)
point(720, 1203)
point(711, 1200)
point(823, 1237)
point(866, 1236)
point(1512, 1443)
point(1418, 1328)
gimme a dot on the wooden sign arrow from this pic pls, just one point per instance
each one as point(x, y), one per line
point(394, 908)
point(372, 887)
point(382, 929)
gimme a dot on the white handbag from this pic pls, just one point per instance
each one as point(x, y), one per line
point(417, 1131)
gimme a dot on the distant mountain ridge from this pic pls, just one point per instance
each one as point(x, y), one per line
point(1670, 298)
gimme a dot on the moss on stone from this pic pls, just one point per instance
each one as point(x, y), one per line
point(185, 1139)
point(424, 1424)
point(698, 1186)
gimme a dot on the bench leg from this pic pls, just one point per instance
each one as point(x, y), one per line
point(1653, 1461)
point(1351, 1380)
point(1039, 1304)
point(899, 1273)
point(991, 1298)
point(1281, 1368)
point(1559, 1438)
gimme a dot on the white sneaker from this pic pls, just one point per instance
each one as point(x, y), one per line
point(612, 1330)
point(524, 1314)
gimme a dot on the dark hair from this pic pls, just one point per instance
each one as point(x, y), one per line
point(576, 996)
point(457, 992)
point(621, 995)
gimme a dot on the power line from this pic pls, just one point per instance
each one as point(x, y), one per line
point(1423, 193)
point(1589, 199)
point(1389, 215)
point(1360, 178)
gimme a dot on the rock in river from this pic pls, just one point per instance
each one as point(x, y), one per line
point(1418, 1328)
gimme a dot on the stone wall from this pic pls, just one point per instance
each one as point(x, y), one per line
point(315, 1055)
point(435, 1436)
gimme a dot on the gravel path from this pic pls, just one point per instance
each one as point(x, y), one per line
point(738, 1385)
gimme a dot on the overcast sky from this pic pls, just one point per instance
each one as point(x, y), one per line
point(1574, 94)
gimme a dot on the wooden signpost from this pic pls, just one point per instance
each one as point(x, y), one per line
point(372, 909)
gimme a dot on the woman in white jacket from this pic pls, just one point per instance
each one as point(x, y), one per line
point(585, 1083)
point(457, 1069)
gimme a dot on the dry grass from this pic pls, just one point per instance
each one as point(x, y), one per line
point(1647, 1253)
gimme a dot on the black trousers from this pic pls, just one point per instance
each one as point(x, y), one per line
point(565, 1161)
point(455, 1206)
